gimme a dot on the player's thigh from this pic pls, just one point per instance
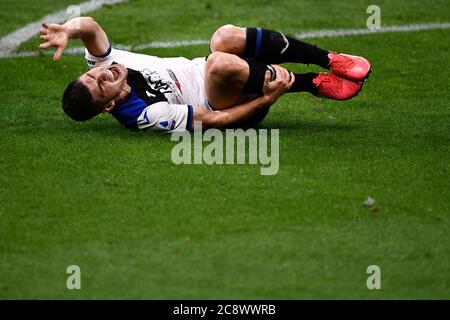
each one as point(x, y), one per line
point(225, 77)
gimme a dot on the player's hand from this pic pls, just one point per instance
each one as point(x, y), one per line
point(282, 83)
point(54, 35)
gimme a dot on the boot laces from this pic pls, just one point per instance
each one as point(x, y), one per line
point(342, 62)
point(331, 84)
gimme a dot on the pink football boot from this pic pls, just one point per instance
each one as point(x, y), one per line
point(333, 87)
point(349, 67)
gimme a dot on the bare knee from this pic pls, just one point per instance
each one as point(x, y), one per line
point(226, 66)
point(229, 38)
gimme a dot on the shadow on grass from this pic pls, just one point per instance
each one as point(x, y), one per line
point(103, 128)
point(108, 129)
point(113, 130)
point(306, 126)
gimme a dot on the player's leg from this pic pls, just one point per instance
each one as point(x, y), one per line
point(226, 76)
point(231, 80)
point(274, 47)
point(266, 45)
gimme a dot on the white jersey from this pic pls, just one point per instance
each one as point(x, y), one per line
point(163, 90)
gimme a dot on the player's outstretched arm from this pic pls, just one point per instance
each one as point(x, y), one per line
point(84, 28)
point(243, 113)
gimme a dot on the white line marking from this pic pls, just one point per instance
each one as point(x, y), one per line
point(303, 35)
point(10, 42)
point(356, 32)
point(171, 44)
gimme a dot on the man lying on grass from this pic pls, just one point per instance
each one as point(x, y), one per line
point(233, 87)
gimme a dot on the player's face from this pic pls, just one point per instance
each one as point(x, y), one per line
point(105, 84)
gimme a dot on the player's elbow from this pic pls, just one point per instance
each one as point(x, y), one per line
point(90, 23)
point(89, 20)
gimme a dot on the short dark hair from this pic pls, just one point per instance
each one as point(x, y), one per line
point(78, 102)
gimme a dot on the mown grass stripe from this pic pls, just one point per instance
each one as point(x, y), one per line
point(184, 43)
point(10, 42)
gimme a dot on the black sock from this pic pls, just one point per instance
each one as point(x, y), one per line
point(304, 83)
point(274, 47)
point(255, 81)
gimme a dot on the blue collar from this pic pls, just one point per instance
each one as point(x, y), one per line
point(129, 111)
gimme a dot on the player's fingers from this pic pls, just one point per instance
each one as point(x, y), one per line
point(267, 77)
point(282, 78)
point(54, 27)
point(45, 45)
point(43, 30)
point(279, 76)
point(286, 75)
point(44, 37)
point(58, 54)
point(45, 24)
point(276, 68)
point(268, 84)
point(283, 73)
point(291, 80)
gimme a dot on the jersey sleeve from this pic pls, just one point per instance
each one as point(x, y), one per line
point(101, 61)
point(163, 116)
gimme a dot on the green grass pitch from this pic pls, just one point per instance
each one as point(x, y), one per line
point(112, 202)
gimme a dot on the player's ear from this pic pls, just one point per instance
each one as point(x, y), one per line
point(109, 107)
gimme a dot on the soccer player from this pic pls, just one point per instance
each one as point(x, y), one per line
point(233, 87)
